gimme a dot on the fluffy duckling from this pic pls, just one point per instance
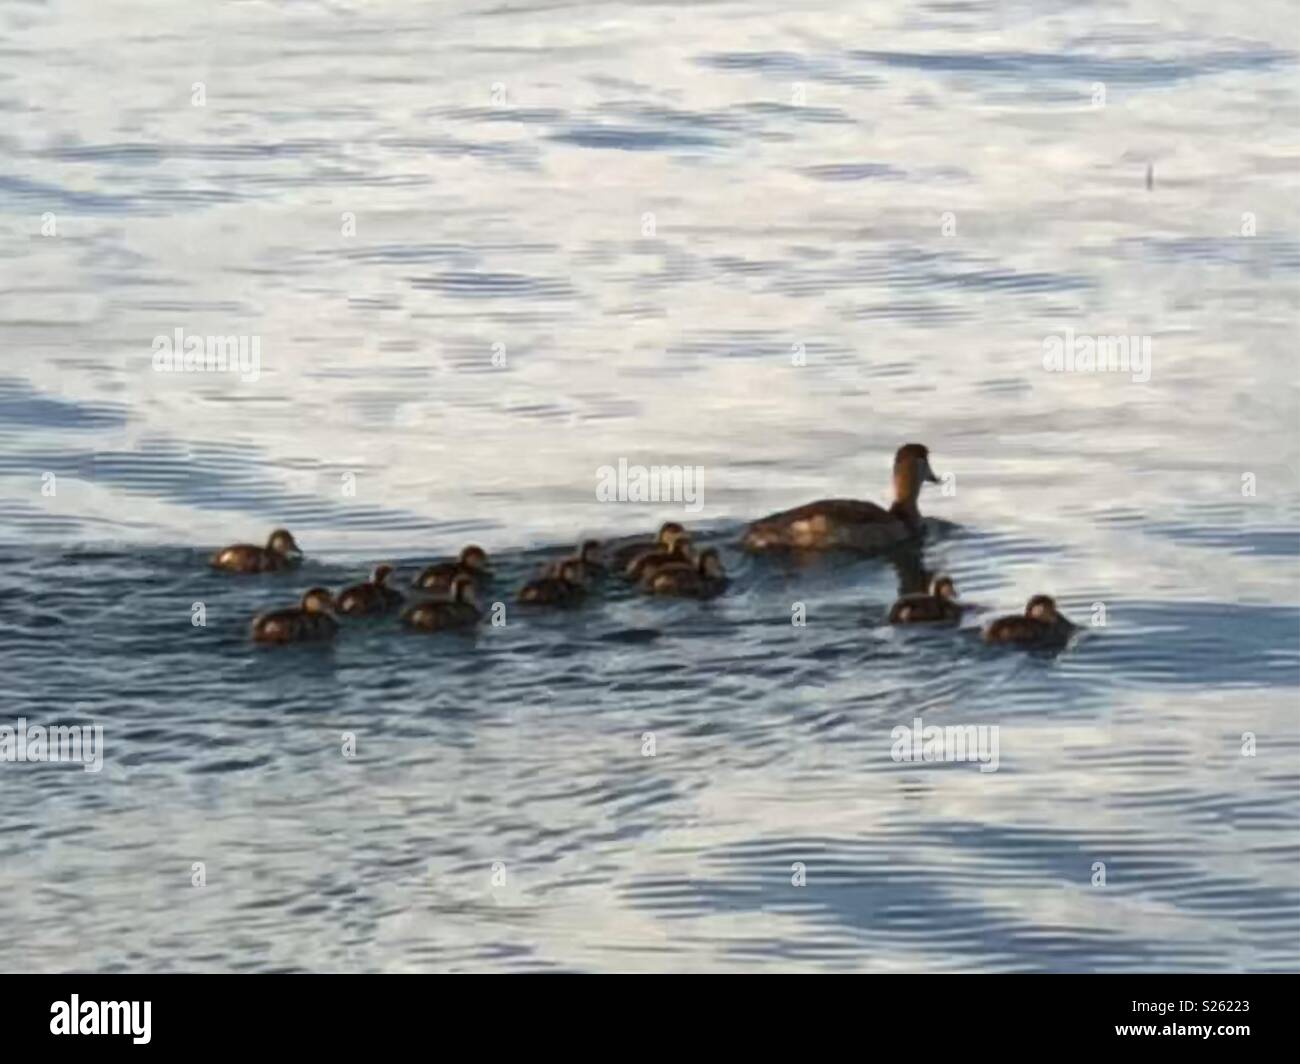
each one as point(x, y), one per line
point(561, 585)
point(313, 618)
point(848, 523)
point(674, 548)
point(939, 606)
point(703, 578)
point(472, 562)
point(373, 596)
point(457, 611)
point(280, 553)
point(1041, 625)
point(625, 555)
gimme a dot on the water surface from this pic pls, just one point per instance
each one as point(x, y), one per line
point(489, 250)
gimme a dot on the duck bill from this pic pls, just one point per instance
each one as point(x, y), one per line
point(927, 473)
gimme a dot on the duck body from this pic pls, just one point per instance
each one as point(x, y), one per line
point(829, 524)
point(456, 613)
point(561, 585)
point(701, 579)
point(373, 596)
point(624, 556)
point(438, 577)
point(1040, 626)
point(933, 607)
point(280, 553)
point(551, 591)
point(851, 524)
point(648, 563)
point(307, 622)
point(440, 616)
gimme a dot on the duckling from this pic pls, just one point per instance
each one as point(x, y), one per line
point(626, 554)
point(560, 585)
point(848, 523)
point(457, 611)
point(704, 578)
point(939, 605)
point(675, 547)
point(373, 596)
point(1041, 625)
point(280, 552)
point(473, 562)
point(313, 618)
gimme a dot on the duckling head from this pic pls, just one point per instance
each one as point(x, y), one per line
point(669, 531)
point(380, 574)
point(942, 587)
point(589, 552)
point(281, 541)
point(462, 590)
point(1042, 608)
point(676, 543)
point(710, 564)
point(911, 470)
point(474, 559)
point(317, 600)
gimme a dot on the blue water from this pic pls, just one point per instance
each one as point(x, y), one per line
point(486, 251)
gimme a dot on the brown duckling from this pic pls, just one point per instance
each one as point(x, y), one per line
point(472, 562)
point(562, 584)
point(702, 578)
point(674, 548)
point(373, 596)
point(939, 606)
point(280, 553)
point(313, 618)
point(1041, 625)
point(457, 611)
point(625, 555)
point(848, 523)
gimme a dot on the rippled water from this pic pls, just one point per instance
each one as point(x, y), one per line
point(487, 251)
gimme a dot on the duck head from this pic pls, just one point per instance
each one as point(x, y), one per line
point(670, 531)
point(942, 587)
point(1043, 608)
point(317, 600)
point(474, 559)
point(911, 470)
point(380, 574)
point(281, 541)
point(709, 564)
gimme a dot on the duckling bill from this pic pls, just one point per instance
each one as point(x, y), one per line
point(849, 523)
point(938, 606)
point(373, 596)
point(280, 553)
point(312, 619)
point(1041, 625)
